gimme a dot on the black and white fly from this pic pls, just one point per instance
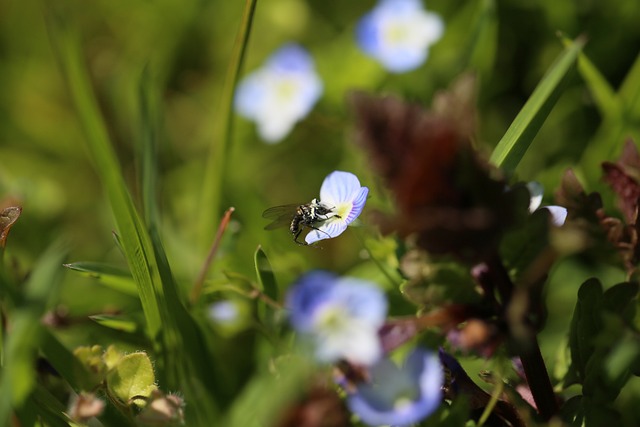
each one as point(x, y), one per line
point(298, 217)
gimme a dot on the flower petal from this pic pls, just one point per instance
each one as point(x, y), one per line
point(536, 190)
point(306, 296)
point(358, 205)
point(327, 230)
point(403, 397)
point(339, 187)
point(558, 214)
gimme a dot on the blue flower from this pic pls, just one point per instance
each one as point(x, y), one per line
point(279, 94)
point(398, 34)
point(224, 312)
point(399, 396)
point(558, 213)
point(342, 316)
point(340, 191)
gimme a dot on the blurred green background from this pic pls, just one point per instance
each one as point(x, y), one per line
point(183, 48)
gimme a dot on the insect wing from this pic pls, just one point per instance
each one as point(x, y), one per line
point(281, 216)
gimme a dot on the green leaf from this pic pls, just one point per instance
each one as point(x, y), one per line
point(525, 126)
point(107, 275)
point(585, 325)
point(118, 323)
point(26, 333)
point(266, 278)
point(132, 379)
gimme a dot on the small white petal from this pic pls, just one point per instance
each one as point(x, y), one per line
point(558, 215)
point(535, 191)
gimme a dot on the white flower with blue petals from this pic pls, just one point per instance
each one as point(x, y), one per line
point(279, 94)
point(398, 33)
point(342, 316)
point(399, 396)
point(343, 194)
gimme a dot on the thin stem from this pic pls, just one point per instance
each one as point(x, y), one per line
point(197, 287)
point(538, 378)
point(533, 364)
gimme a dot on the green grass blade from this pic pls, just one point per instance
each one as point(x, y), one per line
point(107, 275)
point(134, 238)
point(615, 128)
point(149, 147)
point(525, 126)
point(210, 209)
point(603, 94)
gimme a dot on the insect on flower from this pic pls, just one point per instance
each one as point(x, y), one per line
point(342, 199)
point(298, 217)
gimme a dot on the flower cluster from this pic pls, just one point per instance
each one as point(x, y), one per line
point(397, 33)
point(342, 318)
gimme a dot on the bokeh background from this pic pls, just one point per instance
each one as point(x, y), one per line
point(183, 48)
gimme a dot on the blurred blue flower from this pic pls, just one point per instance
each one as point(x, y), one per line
point(224, 312)
point(399, 396)
point(558, 213)
point(398, 34)
point(342, 192)
point(342, 316)
point(280, 93)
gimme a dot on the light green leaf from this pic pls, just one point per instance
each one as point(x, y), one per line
point(132, 379)
point(516, 141)
point(107, 275)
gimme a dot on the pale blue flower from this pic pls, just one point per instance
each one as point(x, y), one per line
point(279, 94)
point(399, 396)
point(398, 33)
point(342, 192)
point(558, 213)
point(340, 315)
point(224, 312)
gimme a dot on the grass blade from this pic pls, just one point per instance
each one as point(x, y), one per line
point(218, 157)
point(134, 238)
point(525, 126)
point(107, 275)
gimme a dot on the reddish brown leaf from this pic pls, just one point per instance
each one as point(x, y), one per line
point(8, 217)
point(445, 192)
point(624, 178)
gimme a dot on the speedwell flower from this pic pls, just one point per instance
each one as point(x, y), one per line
point(279, 94)
point(398, 34)
point(558, 213)
point(341, 315)
point(399, 396)
point(342, 192)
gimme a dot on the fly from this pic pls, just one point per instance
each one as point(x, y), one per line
point(298, 217)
